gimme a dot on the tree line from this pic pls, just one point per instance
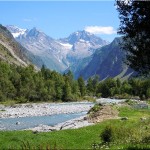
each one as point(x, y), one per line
point(27, 85)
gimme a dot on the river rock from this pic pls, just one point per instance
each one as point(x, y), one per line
point(17, 123)
point(43, 109)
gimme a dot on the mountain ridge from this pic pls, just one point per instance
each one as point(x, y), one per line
point(108, 62)
point(13, 52)
point(59, 54)
point(81, 52)
point(14, 49)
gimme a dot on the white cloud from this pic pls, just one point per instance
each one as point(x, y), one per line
point(27, 20)
point(100, 30)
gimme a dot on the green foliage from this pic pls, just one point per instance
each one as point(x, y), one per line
point(67, 95)
point(126, 88)
point(107, 87)
point(27, 85)
point(106, 135)
point(25, 145)
point(96, 108)
point(89, 98)
point(134, 26)
point(82, 87)
point(92, 85)
point(113, 136)
point(133, 133)
point(132, 88)
point(130, 102)
point(138, 147)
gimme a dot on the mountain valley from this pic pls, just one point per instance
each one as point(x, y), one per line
point(81, 52)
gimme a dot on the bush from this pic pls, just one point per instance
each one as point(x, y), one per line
point(107, 135)
point(96, 108)
point(126, 135)
point(99, 95)
point(130, 102)
point(122, 96)
point(22, 99)
point(89, 98)
point(2, 97)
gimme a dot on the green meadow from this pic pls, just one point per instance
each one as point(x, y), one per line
point(133, 133)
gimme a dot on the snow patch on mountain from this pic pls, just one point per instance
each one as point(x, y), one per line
point(16, 31)
point(15, 35)
point(58, 54)
point(66, 45)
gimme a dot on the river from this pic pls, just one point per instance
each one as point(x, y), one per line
point(55, 114)
point(27, 116)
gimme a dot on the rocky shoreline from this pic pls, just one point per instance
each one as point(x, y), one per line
point(48, 109)
point(104, 113)
point(70, 124)
point(43, 109)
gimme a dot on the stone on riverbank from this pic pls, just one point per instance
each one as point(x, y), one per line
point(71, 124)
point(43, 109)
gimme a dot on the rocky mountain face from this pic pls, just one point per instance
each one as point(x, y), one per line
point(13, 52)
point(81, 52)
point(15, 31)
point(58, 54)
point(82, 44)
point(106, 62)
point(49, 50)
point(10, 50)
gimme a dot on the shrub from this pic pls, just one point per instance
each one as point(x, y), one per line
point(96, 108)
point(107, 135)
point(130, 102)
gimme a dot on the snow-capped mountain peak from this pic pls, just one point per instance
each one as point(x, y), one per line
point(16, 31)
point(58, 54)
point(84, 36)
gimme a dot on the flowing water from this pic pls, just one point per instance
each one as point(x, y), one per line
point(30, 122)
point(34, 121)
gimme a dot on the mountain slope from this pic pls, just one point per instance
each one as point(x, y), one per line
point(59, 54)
point(83, 44)
point(107, 62)
point(13, 52)
point(15, 31)
point(81, 52)
point(10, 49)
point(44, 47)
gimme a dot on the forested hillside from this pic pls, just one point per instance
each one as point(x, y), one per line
point(24, 84)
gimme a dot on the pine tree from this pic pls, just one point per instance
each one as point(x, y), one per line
point(82, 87)
point(134, 26)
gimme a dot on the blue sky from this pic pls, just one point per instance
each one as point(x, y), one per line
point(58, 19)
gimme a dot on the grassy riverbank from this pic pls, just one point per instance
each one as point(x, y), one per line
point(123, 132)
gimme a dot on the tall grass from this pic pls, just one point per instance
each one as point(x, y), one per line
point(26, 145)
